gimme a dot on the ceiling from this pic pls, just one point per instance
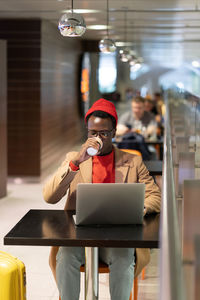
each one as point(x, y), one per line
point(164, 32)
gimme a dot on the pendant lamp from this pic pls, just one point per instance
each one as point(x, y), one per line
point(72, 24)
point(107, 45)
point(125, 54)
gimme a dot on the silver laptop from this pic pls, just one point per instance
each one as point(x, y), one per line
point(109, 203)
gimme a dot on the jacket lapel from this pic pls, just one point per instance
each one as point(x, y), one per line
point(86, 171)
point(122, 165)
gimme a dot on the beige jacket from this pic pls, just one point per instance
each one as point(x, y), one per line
point(128, 168)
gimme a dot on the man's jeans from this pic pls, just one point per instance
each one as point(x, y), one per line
point(121, 262)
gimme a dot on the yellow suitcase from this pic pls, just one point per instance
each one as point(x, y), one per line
point(12, 278)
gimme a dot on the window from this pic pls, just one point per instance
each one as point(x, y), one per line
point(107, 72)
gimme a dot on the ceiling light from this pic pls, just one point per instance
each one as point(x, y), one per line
point(180, 85)
point(97, 27)
point(82, 11)
point(196, 63)
point(133, 60)
point(72, 24)
point(136, 67)
point(122, 44)
point(136, 61)
point(140, 60)
point(90, 19)
point(107, 45)
point(124, 55)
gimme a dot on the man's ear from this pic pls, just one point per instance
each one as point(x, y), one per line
point(113, 132)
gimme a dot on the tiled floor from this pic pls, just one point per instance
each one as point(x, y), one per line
point(40, 282)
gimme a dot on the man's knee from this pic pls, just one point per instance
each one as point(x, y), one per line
point(70, 255)
point(123, 257)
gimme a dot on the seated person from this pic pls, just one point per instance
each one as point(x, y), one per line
point(149, 106)
point(159, 103)
point(108, 165)
point(137, 120)
point(161, 112)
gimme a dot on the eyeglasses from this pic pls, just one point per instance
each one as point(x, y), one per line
point(102, 133)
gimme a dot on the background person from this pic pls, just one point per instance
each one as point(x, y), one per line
point(137, 120)
point(109, 165)
point(150, 106)
point(159, 103)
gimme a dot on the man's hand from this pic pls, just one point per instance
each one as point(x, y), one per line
point(121, 130)
point(82, 154)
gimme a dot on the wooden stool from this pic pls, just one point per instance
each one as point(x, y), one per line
point(132, 151)
point(143, 274)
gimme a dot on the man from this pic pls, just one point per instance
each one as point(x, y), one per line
point(137, 120)
point(109, 165)
point(159, 103)
point(149, 106)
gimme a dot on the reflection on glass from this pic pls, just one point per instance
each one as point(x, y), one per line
point(190, 217)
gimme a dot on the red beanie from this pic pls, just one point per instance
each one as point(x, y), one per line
point(103, 105)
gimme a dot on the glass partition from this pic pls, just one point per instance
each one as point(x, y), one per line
point(180, 217)
point(171, 282)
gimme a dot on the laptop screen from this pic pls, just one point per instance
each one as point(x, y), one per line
point(110, 203)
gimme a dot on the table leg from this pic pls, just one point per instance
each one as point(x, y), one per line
point(91, 273)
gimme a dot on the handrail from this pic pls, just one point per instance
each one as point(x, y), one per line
point(171, 274)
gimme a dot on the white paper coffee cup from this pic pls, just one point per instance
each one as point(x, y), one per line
point(93, 151)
